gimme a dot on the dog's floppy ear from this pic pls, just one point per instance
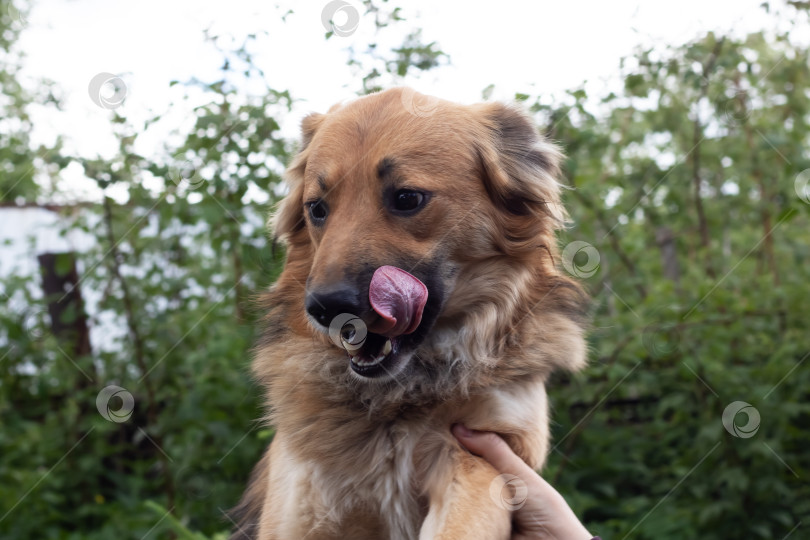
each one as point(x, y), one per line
point(289, 217)
point(309, 125)
point(520, 167)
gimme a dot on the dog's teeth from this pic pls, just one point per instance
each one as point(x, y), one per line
point(361, 361)
point(387, 347)
point(349, 346)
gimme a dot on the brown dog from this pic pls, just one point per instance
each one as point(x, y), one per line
point(420, 290)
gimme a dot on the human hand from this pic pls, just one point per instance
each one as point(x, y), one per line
point(545, 514)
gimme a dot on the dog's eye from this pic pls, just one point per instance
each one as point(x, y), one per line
point(317, 211)
point(406, 200)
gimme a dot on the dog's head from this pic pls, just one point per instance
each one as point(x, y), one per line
point(446, 213)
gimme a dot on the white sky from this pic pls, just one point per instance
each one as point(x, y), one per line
point(540, 46)
point(533, 47)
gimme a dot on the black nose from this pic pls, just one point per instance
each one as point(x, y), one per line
point(326, 304)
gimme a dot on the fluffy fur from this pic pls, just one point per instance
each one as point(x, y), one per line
point(368, 458)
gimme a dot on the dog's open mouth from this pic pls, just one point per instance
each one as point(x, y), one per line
point(376, 357)
point(398, 299)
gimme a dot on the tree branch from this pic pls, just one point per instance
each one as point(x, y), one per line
point(697, 137)
point(137, 343)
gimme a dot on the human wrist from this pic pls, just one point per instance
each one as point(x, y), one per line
point(567, 525)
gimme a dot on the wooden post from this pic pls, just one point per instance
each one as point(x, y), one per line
point(60, 283)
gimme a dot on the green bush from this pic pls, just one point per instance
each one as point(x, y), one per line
point(692, 213)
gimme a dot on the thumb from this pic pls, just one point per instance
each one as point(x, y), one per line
point(494, 449)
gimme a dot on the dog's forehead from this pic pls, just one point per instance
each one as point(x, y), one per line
point(372, 136)
point(363, 130)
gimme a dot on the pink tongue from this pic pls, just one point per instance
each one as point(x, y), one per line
point(398, 298)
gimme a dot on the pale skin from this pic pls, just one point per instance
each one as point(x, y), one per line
point(545, 514)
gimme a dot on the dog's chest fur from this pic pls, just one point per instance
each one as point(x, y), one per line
point(370, 479)
point(385, 481)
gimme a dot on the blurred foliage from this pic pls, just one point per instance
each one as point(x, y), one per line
point(21, 162)
point(684, 183)
point(379, 69)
